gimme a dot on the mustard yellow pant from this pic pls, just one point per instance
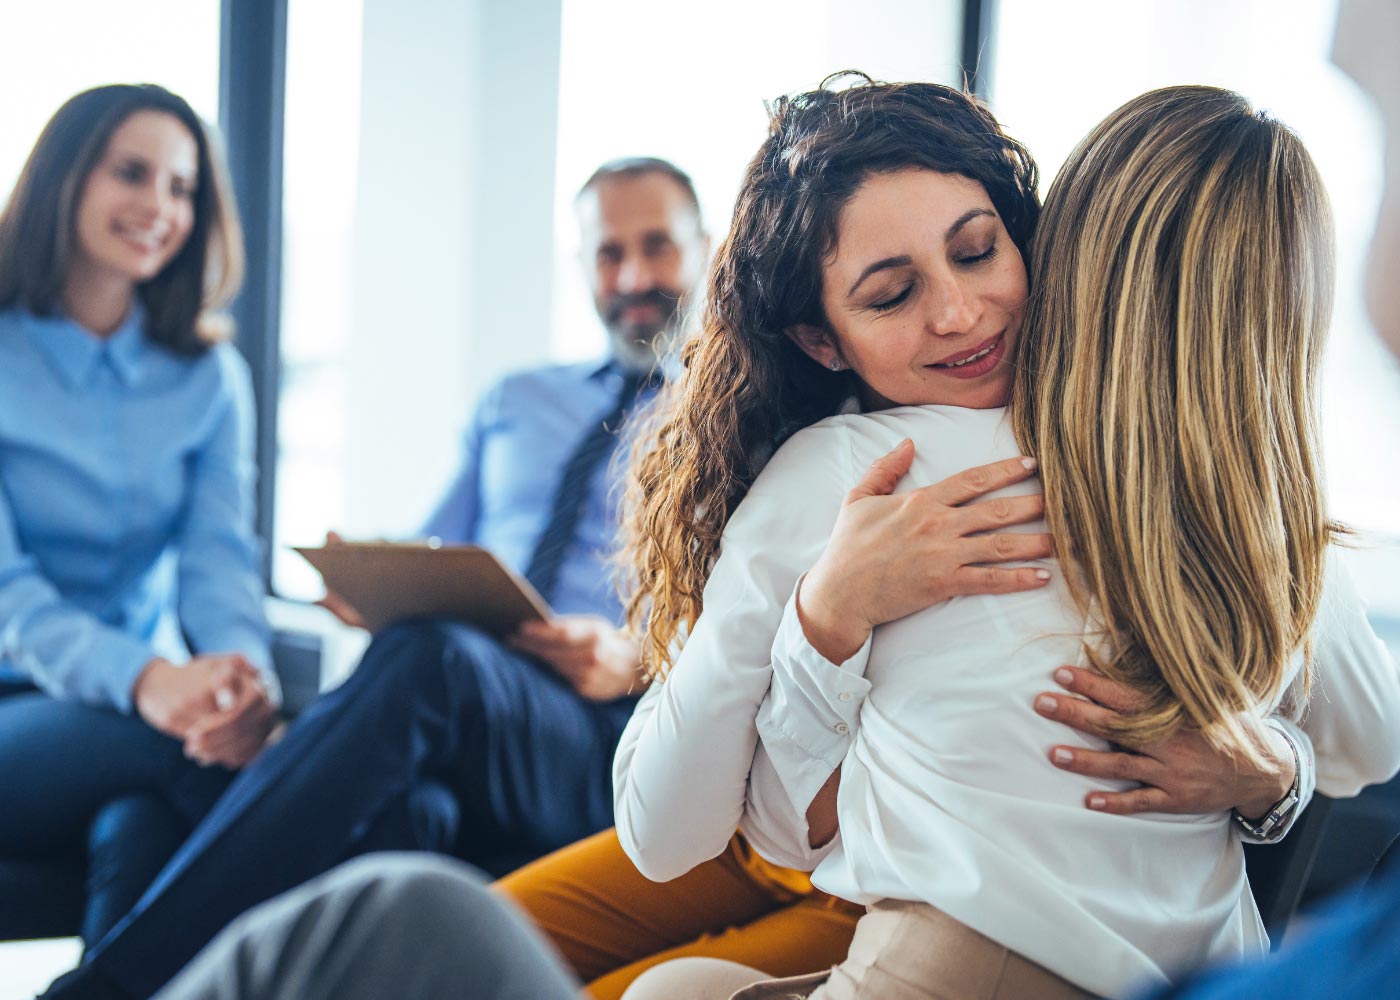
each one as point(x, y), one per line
point(611, 924)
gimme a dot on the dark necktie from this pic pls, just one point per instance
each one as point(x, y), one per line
point(572, 492)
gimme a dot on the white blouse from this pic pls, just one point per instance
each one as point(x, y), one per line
point(946, 793)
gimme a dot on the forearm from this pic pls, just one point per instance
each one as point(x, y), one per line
point(66, 651)
point(679, 777)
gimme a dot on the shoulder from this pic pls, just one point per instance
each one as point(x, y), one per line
point(221, 371)
point(12, 339)
point(558, 376)
point(541, 386)
point(801, 488)
point(819, 453)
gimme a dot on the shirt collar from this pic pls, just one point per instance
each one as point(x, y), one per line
point(76, 354)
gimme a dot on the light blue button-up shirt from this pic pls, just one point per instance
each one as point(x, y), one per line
point(524, 431)
point(125, 507)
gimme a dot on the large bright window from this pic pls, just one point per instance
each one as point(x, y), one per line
point(687, 82)
point(49, 51)
point(320, 176)
point(1062, 67)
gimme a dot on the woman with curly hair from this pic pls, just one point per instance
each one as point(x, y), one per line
point(1161, 375)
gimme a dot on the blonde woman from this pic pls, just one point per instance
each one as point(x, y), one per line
point(1165, 384)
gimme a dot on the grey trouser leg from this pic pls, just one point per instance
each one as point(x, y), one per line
point(382, 926)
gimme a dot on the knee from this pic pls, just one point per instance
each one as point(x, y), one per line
point(134, 826)
point(424, 651)
point(129, 842)
point(692, 979)
point(425, 889)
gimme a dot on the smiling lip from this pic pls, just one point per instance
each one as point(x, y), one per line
point(147, 242)
point(994, 349)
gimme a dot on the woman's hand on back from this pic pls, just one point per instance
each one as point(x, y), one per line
point(1181, 774)
point(890, 556)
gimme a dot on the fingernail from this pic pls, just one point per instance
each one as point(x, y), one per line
point(1042, 574)
point(1062, 756)
point(1046, 703)
point(1096, 801)
point(1065, 676)
point(1029, 463)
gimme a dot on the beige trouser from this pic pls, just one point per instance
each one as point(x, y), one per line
point(901, 951)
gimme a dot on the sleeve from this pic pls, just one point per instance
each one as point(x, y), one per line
point(1353, 715)
point(454, 519)
point(806, 724)
point(67, 652)
point(221, 592)
point(1307, 779)
point(680, 777)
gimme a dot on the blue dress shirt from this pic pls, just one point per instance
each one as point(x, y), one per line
point(524, 431)
point(125, 507)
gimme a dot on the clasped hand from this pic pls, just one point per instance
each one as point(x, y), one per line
point(215, 704)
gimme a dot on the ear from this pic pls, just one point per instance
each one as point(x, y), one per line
point(814, 342)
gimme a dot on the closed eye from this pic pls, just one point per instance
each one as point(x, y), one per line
point(985, 255)
point(893, 303)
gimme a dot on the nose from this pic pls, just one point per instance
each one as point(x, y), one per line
point(156, 200)
point(635, 275)
point(953, 308)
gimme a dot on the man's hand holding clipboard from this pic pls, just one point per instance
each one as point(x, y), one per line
point(374, 584)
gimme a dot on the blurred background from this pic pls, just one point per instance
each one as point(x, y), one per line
point(405, 170)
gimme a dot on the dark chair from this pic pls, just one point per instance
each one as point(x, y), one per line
point(45, 898)
point(1360, 832)
point(41, 899)
point(1279, 873)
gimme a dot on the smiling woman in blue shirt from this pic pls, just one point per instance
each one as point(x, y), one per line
point(134, 655)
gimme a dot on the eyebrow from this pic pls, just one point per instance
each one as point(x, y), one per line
point(905, 260)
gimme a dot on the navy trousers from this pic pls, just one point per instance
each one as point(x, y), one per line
point(96, 790)
point(527, 760)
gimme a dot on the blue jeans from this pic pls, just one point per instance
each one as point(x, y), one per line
point(97, 789)
point(528, 762)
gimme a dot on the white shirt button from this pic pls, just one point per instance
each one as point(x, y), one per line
point(844, 696)
point(842, 729)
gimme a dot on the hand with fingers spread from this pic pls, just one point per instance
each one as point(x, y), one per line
point(1181, 774)
point(892, 555)
point(598, 659)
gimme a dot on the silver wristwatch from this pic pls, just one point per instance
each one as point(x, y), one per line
point(1271, 825)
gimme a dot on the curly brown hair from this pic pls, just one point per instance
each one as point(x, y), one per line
point(746, 387)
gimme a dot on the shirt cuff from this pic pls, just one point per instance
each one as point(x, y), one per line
point(125, 662)
point(1306, 780)
point(253, 645)
point(808, 720)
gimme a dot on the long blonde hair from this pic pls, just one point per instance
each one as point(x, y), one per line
point(1182, 290)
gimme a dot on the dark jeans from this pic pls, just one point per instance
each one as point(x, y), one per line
point(527, 759)
point(90, 786)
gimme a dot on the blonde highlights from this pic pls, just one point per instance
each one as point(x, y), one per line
point(1182, 290)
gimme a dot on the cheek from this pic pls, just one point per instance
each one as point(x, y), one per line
point(93, 209)
point(184, 222)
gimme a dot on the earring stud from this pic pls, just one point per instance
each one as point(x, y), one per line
point(835, 364)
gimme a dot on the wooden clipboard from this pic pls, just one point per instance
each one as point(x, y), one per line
point(387, 582)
